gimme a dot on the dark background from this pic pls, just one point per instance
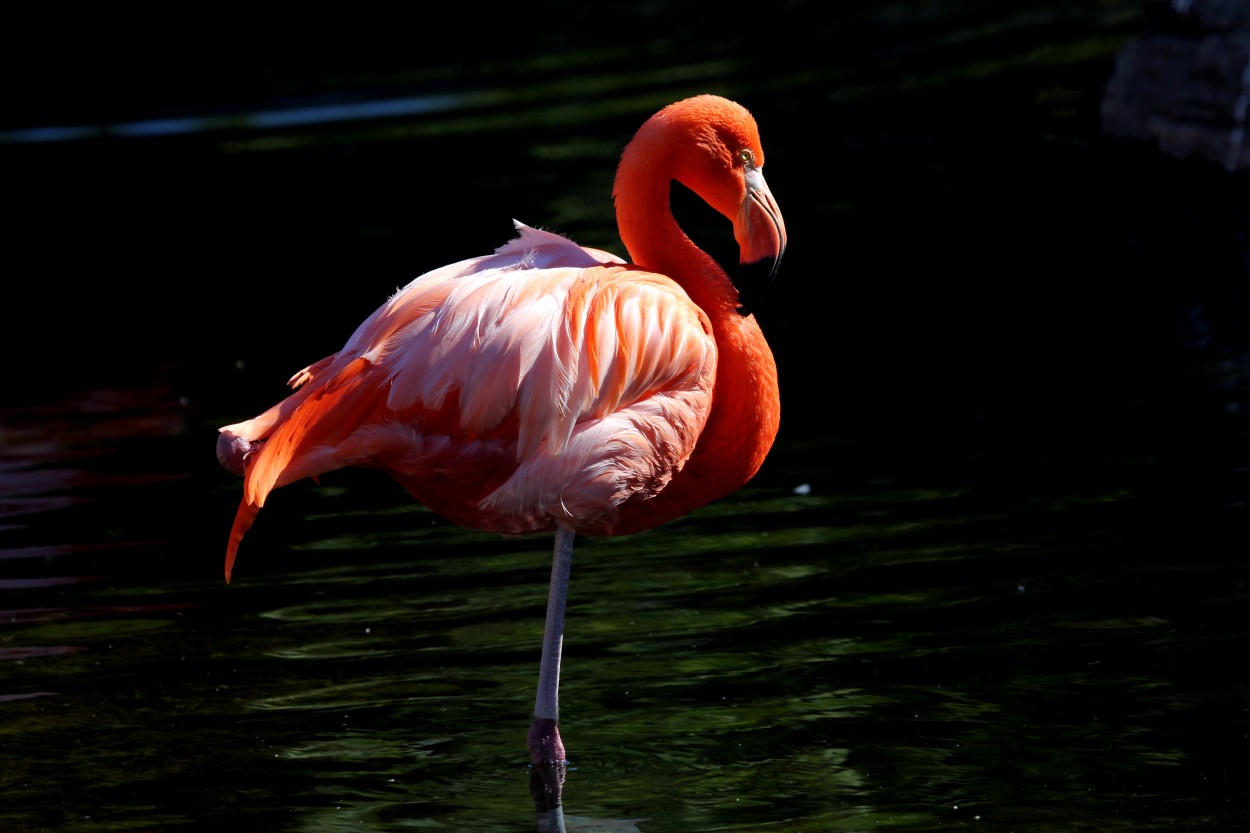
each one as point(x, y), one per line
point(1013, 355)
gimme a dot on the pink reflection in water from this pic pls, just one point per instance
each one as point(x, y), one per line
point(32, 651)
point(9, 698)
point(48, 614)
point(63, 454)
point(56, 459)
point(50, 448)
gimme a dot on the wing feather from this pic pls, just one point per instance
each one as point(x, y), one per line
point(597, 375)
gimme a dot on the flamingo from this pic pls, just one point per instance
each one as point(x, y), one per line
point(553, 388)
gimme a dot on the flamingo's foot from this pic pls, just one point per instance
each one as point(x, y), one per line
point(546, 748)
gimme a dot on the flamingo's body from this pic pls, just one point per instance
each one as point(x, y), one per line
point(554, 387)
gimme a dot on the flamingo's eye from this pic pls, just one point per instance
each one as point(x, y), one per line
point(746, 157)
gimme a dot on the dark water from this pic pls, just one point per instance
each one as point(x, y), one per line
point(993, 576)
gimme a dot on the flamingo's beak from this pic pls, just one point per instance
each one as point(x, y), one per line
point(761, 235)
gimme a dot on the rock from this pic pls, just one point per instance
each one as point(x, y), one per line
point(1185, 84)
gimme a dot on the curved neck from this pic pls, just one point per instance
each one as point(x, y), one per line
point(652, 236)
point(746, 411)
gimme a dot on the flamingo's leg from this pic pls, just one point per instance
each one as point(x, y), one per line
point(544, 738)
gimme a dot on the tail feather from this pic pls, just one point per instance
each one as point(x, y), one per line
point(303, 443)
point(242, 523)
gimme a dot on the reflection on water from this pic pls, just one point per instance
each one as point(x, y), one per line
point(293, 116)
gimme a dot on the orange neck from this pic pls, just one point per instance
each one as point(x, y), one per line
point(746, 408)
